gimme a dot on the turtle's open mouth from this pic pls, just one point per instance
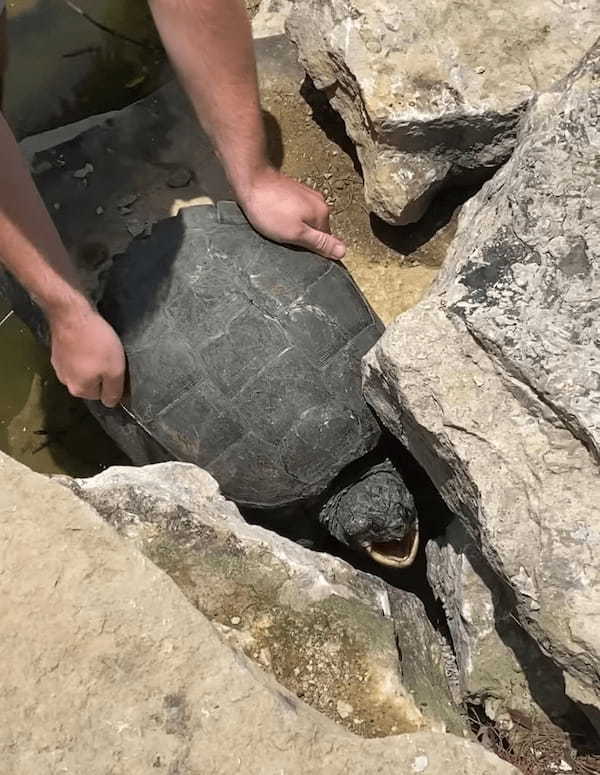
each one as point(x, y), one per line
point(396, 554)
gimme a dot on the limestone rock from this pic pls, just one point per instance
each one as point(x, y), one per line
point(431, 92)
point(270, 18)
point(492, 382)
point(328, 632)
point(490, 645)
point(108, 668)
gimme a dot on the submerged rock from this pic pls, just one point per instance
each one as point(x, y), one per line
point(431, 92)
point(336, 637)
point(492, 382)
point(107, 667)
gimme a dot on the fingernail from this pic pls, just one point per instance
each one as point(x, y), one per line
point(339, 251)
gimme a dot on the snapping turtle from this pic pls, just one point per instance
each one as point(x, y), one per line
point(244, 358)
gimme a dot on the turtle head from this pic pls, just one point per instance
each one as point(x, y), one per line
point(375, 513)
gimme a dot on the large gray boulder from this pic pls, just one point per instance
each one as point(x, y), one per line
point(352, 646)
point(492, 382)
point(431, 92)
point(106, 667)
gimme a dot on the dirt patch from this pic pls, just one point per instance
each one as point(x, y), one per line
point(394, 266)
point(336, 654)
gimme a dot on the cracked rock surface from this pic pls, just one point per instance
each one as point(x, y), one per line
point(350, 645)
point(107, 667)
point(431, 92)
point(493, 384)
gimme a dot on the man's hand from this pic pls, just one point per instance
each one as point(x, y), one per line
point(287, 211)
point(210, 45)
point(87, 355)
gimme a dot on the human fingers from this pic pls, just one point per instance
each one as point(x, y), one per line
point(319, 216)
point(88, 390)
point(322, 242)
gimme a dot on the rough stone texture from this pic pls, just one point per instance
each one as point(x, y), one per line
point(270, 18)
point(493, 381)
point(487, 640)
point(432, 91)
point(108, 668)
point(329, 633)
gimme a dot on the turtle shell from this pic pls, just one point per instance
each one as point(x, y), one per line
point(244, 356)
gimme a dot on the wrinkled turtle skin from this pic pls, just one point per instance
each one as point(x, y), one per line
point(244, 358)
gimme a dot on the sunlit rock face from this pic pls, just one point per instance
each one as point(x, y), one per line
point(492, 382)
point(107, 666)
point(431, 92)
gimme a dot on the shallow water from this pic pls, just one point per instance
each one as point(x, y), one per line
point(40, 424)
point(62, 67)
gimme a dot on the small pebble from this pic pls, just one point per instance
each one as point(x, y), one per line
point(127, 200)
point(138, 228)
point(480, 70)
point(420, 764)
point(565, 766)
point(179, 178)
point(265, 657)
point(374, 46)
point(99, 210)
point(344, 709)
point(235, 620)
point(82, 173)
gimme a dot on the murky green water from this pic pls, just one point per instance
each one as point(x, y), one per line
point(63, 68)
point(40, 424)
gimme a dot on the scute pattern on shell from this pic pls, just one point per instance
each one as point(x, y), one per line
point(244, 356)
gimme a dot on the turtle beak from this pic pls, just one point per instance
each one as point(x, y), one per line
point(395, 554)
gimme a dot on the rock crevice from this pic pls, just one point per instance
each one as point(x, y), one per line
point(432, 93)
point(492, 382)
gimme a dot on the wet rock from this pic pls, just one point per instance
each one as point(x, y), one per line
point(336, 637)
point(107, 667)
point(81, 173)
point(492, 382)
point(431, 92)
point(134, 161)
point(180, 177)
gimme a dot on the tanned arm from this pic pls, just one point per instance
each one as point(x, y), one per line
point(86, 353)
point(210, 45)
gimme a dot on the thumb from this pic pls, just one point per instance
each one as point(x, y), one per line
point(112, 388)
point(322, 243)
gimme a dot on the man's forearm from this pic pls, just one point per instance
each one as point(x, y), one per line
point(86, 353)
point(30, 247)
point(210, 45)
